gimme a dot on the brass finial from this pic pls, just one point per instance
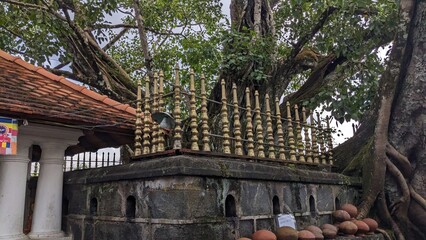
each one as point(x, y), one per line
point(269, 131)
point(259, 129)
point(321, 140)
point(314, 133)
point(138, 123)
point(177, 138)
point(193, 113)
point(291, 134)
point(147, 120)
point(330, 143)
point(300, 146)
point(155, 126)
point(280, 133)
point(307, 139)
point(250, 140)
point(160, 146)
point(204, 116)
point(237, 124)
point(225, 121)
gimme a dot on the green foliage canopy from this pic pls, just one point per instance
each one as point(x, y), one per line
point(195, 33)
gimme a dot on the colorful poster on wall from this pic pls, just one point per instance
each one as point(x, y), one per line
point(8, 136)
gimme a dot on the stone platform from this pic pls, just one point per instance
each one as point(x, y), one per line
point(198, 197)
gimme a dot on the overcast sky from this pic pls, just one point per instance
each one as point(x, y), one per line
point(225, 7)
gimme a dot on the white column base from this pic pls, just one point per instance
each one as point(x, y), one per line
point(49, 236)
point(15, 237)
point(54, 238)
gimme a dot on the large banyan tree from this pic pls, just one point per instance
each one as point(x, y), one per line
point(360, 59)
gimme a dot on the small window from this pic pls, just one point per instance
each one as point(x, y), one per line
point(94, 206)
point(276, 205)
point(130, 207)
point(230, 208)
point(312, 206)
point(337, 203)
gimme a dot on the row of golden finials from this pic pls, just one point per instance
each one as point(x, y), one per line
point(314, 147)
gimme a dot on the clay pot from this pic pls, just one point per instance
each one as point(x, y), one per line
point(329, 233)
point(313, 229)
point(362, 227)
point(348, 228)
point(286, 233)
point(306, 235)
point(329, 226)
point(318, 236)
point(372, 224)
point(341, 216)
point(263, 235)
point(243, 238)
point(351, 209)
point(316, 231)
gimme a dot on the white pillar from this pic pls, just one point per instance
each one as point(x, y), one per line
point(47, 214)
point(13, 183)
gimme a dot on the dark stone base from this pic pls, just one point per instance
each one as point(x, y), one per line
point(195, 197)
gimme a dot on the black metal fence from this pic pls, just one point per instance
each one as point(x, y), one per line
point(85, 160)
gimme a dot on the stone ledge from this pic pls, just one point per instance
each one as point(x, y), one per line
point(186, 165)
point(366, 237)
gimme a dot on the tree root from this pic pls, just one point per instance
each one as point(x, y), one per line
point(402, 205)
point(403, 162)
point(417, 197)
point(385, 234)
point(385, 215)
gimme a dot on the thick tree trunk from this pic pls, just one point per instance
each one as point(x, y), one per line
point(393, 155)
point(407, 134)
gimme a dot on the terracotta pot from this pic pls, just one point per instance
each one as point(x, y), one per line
point(243, 238)
point(362, 227)
point(351, 209)
point(263, 235)
point(341, 216)
point(329, 226)
point(372, 224)
point(286, 233)
point(348, 228)
point(313, 229)
point(306, 235)
point(318, 236)
point(316, 231)
point(329, 233)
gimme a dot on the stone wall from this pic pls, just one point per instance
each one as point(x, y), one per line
point(196, 197)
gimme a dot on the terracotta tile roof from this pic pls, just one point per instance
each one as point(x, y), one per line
point(33, 93)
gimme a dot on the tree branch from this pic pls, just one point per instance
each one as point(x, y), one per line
point(143, 38)
point(133, 26)
point(26, 5)
point(304, 39)
point(257, 16)
point(115, 39)
point(64, 73)
point(283, 71)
